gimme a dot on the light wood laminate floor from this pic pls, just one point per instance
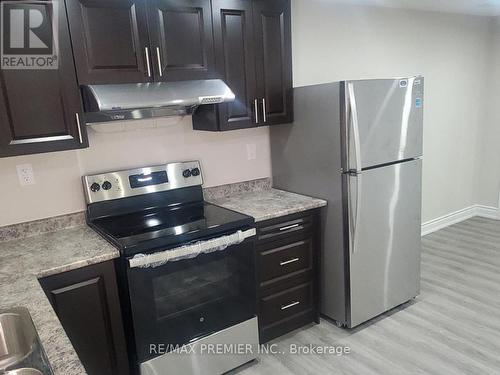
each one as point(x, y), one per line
point(453, 327)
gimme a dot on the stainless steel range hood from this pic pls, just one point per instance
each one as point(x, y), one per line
point(156, 99)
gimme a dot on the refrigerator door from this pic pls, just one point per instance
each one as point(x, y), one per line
point(383, 121)
point(384, 218)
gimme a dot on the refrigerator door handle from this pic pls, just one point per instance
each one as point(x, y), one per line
point(354, 213)
point(354, 130)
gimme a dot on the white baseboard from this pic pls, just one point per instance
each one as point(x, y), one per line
point(488, 212)
point(460, 215)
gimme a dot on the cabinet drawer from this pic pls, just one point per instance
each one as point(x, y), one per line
point(286, 304)
point(284, 260)
point(283, 229)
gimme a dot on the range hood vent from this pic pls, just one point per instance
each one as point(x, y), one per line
point(156, 99)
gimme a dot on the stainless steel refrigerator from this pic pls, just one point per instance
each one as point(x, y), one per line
point(358, 144)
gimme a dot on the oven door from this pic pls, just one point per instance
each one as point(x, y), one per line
point(184, 300)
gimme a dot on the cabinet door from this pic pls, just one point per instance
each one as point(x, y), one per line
point(39, 109)
point(235, 61)
point(181, 39)
point(86, 302)
point(273, 50)
point(110, 40)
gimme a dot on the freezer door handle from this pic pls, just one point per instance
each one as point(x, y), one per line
point(353, 131)
point(354, 205)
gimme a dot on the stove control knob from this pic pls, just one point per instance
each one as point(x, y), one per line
point(106, 185)
point(186, 173)
point(95, 187)
point(195, 172)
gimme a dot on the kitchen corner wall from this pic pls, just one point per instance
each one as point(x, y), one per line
point(333, 42)
point(458, 55)
point(58, 188)
point(488, 179)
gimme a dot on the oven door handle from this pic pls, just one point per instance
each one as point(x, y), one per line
point(191, 250)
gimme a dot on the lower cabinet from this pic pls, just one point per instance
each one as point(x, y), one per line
point(87, 304)
point(288, 256)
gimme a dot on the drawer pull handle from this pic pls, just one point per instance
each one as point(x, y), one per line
point(289, 227)
point(290, 305)
point(289, 261)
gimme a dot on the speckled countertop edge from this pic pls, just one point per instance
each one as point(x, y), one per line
point(268, 204)
point(38, 227)
point(77, 219)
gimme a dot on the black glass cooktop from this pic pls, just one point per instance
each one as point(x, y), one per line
point(163, 226)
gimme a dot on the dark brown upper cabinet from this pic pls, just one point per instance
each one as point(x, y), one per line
point(253, 56)
point(133, 41)
point(235, 61)
point(272, 25)
point(181, 39)
point(110, 41)
point(40, 109)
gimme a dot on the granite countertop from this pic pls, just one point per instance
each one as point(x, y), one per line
point(23, 261)
point(268, 203)
point(65, 243)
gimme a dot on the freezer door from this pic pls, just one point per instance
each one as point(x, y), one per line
point(384, 224)
point(383, 121)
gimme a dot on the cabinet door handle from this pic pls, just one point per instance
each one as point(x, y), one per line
point(284, 263)
point(79, 127)
point(159, 61)
point(290, 305)
point(289, 227)
point(264, 109)
point(256, 109)
point(146, 51)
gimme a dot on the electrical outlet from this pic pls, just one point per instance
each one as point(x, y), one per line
point(251, 151)
point(25, 174)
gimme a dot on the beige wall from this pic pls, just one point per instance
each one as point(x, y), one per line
point(334, 42)
point(58, 189)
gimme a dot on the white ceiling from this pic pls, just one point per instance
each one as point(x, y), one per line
point(477, 7)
